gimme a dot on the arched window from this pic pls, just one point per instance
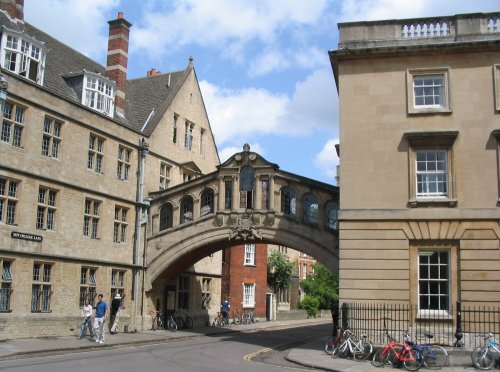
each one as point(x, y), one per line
point(310, 209)
point(166, 217)
point(186, 210)
point(247, 186)
point(207, 202)
point(288, 201)
point(332, 215)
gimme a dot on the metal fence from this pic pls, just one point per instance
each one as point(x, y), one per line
point(459, 326)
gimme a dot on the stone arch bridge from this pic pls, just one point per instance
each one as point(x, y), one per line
point(247, 199)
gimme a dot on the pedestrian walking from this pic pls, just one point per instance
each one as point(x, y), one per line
point(116, 305)
point(225, 307)
point(101, 313)
point(87, 319)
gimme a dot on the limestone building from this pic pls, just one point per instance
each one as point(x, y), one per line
point(81, 148)
point(419, 161)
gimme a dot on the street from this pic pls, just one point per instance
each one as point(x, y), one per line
point(227, 352)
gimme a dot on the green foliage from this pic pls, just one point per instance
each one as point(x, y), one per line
point(310, 304)
point(323, 284)
point(279, 271)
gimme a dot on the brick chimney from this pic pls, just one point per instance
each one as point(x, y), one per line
point(14, 8)
point(153, 72)
point(116, 66)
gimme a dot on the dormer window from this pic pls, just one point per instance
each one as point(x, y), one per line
point(98, 93)
point(23, 55)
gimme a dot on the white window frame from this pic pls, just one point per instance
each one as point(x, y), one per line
point(248, 295)
point(117, 283)
point(413, 74)
point(23, 55)
point(249, 255)
point(95, 159)
point(432, 142)
point(88, 285)
point(432, 182)
point(206, 293)
point(189, 136)
point(99, 93)
point(444, 309)
point(120, 224)
point(41, 292)
point(165, 171)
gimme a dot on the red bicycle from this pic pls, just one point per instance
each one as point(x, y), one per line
point(333, 342)
point(396, 352)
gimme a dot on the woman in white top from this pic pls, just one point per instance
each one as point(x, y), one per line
point(87, 318)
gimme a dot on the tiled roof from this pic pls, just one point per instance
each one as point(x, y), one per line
point(142, 96)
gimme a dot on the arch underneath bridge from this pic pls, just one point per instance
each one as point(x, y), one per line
point(247, 200)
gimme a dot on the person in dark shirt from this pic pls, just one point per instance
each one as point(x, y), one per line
point(116, 304)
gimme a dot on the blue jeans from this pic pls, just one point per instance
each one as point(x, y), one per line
point(86, 321)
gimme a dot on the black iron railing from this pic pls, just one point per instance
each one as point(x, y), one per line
point(458, 326)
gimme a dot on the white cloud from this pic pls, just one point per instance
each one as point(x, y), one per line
point(327, 160)
point(270, 60)
point(235, 115)
point(369, 10)
point(80, 24)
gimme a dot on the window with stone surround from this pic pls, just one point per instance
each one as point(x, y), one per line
point(92, 210)
point(288, 201)
point(249, 255)
point(165, 171)
point(51, 140)
point(117, 283)
point(120, 225)
point(228, 194)
point(12, 124)
point(206, 293)
point(41, 288)
point(332, 215)
point(431, 175)
point(98, 93)
point(6, 286)
point(207, 202)
point(310, 203)
point(88, 287)
point(123, 164)
point(186, 210)
point(8, 200)
point(47, 209)
point(95, 153)
point(428, 90)
point(188, 136)
point(174, 129)
point(248, 295)
point(166, 216)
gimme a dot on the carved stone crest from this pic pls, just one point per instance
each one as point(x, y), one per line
point(244, 229)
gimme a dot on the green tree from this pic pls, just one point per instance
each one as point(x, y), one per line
point(279, 271)
point(322, 284)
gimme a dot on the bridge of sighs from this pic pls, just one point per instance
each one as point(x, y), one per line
point(247, 199)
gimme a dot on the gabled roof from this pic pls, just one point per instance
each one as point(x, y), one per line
point(143, 94)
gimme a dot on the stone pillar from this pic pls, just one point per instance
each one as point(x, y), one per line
point(236, 192)
point(271, 192)
point(221, 195)
point(258, 193)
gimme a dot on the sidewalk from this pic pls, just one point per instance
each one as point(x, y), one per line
point(310, 354)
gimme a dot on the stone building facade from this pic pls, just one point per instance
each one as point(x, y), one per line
point(81, 148)
point(420, 154)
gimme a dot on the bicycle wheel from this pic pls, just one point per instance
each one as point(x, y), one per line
point(154, 327)
point(362, 350)
point(171, 325)
point(340, 350)
point(380, 358)
point(236, 319)
point(482, 358)
point(413, 359)
point(329, 345)
point(435, 356)
point(180, 322)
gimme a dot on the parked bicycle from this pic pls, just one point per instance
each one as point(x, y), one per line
point(435, 356)
point(247, 317)
point(332, 342)
point(183, 320)
point(395, 352)
point(220, 321)
point(157, 323)
point(237, 317)
point(359, 348)
point(484, 357)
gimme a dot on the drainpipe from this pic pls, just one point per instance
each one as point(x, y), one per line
point(140, 219)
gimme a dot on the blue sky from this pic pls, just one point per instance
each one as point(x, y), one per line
point(263, 65)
